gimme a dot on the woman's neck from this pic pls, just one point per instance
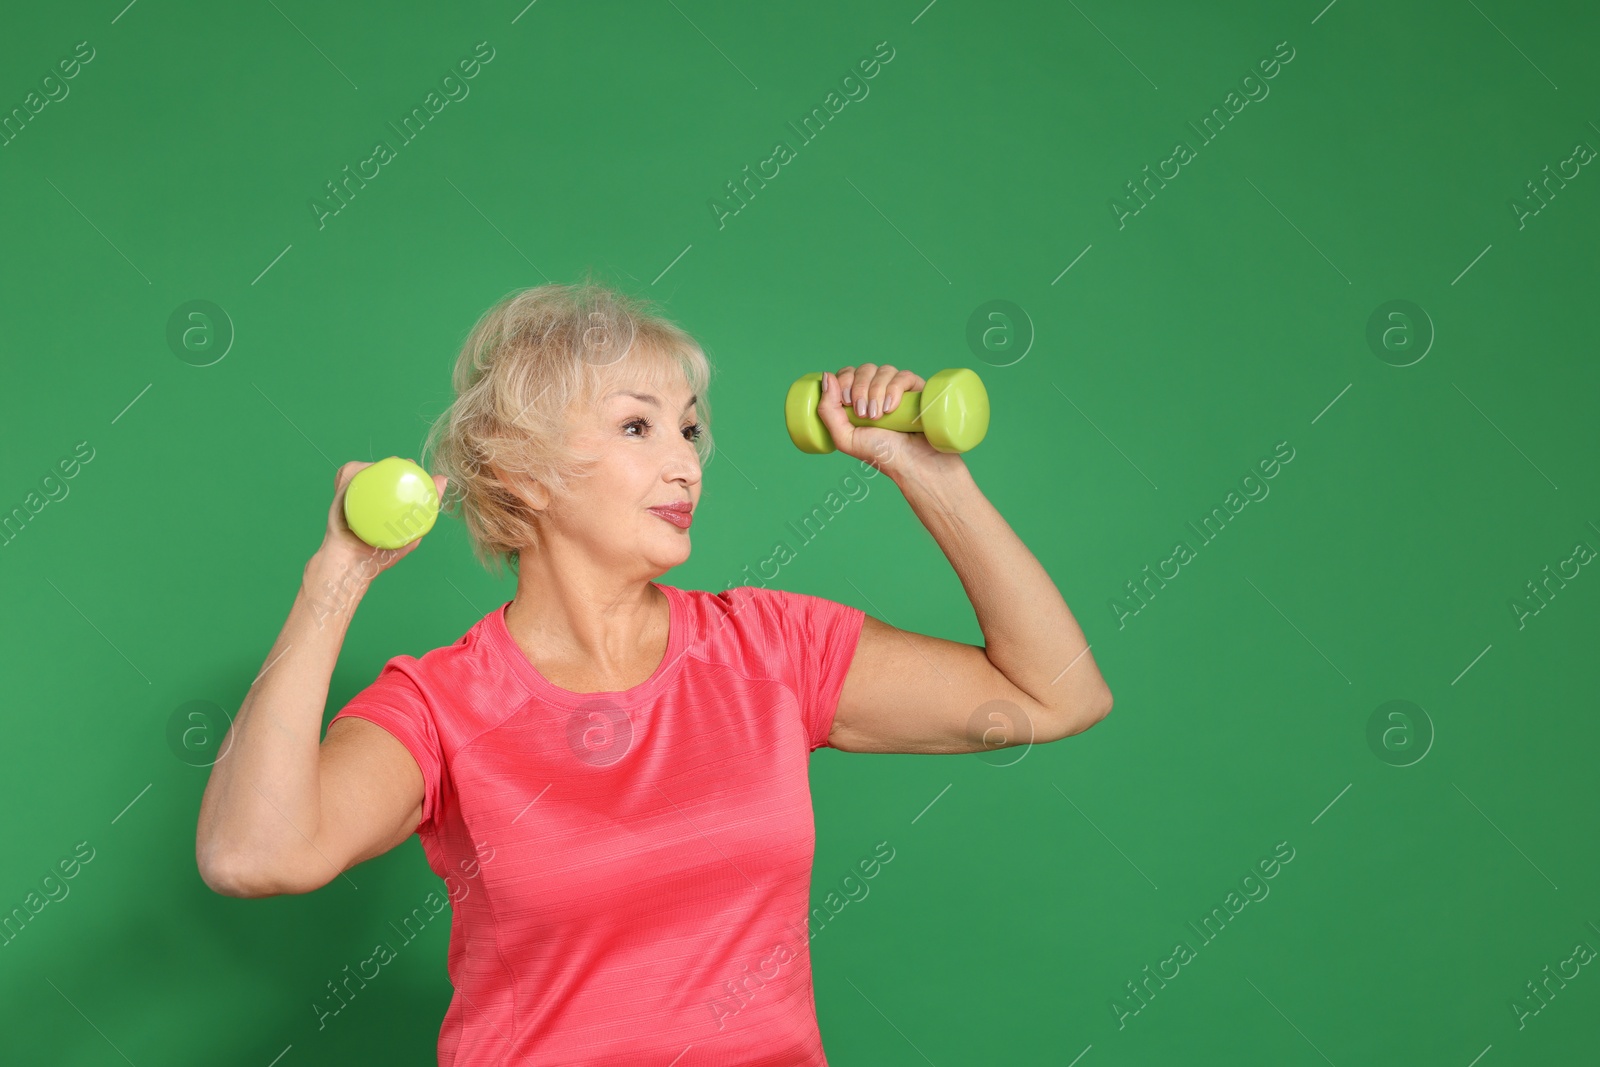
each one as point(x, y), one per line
point(597, 635)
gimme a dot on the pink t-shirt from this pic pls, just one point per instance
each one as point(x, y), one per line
point(629, 872)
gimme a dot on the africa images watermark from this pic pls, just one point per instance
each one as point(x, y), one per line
point(1540, 591)
point(1255, 488)
point(339, 596)
point(742, 988)
point(1524, 208)
point(55, 489)
point(1254, 88)
point(382, 954)
point(455, 88)
point(855, 89)
point(54, 887)
point(1211, 926)
point(1551, 982)
point(853, 488)
point(55, 89)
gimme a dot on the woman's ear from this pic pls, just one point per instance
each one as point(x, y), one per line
point(531, 492)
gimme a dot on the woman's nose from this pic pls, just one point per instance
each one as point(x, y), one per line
point(685, 463)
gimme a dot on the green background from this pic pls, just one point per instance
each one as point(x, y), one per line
point(1131, 395)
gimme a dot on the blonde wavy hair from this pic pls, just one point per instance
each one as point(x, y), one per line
point(533, 360)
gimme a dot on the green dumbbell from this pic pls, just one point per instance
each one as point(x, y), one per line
point(391, 503)
point(952, 412)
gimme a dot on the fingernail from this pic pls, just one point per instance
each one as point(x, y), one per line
point(847, 396)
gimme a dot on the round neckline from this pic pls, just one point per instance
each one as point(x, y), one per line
point(548, 690)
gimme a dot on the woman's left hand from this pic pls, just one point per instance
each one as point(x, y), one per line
point(874, 390)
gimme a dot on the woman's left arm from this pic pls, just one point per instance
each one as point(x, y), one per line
point(908, 692)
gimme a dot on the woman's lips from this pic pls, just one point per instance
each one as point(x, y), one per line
point(679, 518)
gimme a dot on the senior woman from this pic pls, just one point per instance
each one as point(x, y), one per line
point(611, 773)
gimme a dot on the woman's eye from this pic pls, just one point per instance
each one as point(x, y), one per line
point(693, 432)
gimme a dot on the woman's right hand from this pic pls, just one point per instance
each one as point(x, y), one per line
point(341, 543)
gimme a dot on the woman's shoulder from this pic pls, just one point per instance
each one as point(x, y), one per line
point(801, 640)
point(739, 599)
point(465, 653)
point(760, 609)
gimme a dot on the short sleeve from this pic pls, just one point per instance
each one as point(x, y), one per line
point(396, 700)
point(813, 644)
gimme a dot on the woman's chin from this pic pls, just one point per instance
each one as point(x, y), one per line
point(668, 559)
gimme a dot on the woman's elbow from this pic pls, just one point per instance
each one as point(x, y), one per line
point(1102, 707)
point(1084, 716)
point(223, 879)
point(231, 878)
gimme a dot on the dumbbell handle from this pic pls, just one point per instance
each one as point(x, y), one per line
point(905, 418)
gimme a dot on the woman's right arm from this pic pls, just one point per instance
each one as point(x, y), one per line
point(284, 812)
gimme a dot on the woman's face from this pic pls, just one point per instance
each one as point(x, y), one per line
point(644, 435)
